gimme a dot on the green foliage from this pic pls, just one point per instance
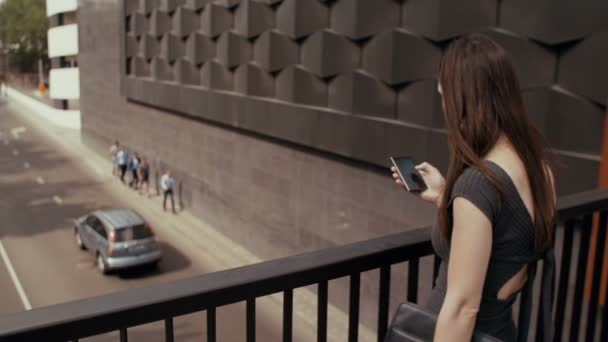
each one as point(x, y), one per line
point(23, 31)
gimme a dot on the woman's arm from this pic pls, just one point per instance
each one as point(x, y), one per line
point(471, 246)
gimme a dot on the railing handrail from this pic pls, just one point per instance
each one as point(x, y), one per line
point(132, 307)
point(573, 205)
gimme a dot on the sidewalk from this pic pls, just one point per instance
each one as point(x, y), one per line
point(184, 230)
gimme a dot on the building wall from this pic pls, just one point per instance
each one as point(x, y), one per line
point(279, 116)
point(274, 197)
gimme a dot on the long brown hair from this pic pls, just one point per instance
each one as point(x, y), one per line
point(482, 100)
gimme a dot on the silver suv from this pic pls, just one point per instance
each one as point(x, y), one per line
point(119, 238)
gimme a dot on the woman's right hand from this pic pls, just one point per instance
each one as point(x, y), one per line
point(432, 178)
point(434, 181)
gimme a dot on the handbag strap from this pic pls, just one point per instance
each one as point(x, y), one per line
point(546, 299)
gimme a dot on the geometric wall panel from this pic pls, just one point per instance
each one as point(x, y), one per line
point(362, 18)
point(196, 5)
point(300, 18)
point(187, 73)
point(419, 103)
point(534, 64)
point(131, 7)
point(199, 48)
point(160, 23)
point(138, 24)
point(162, 70)
point(131, 46)
point(444, 19)
point(233, 49)
point(397, 56)
point(554, 21)
point(583, 68)
point(169, 5)
point(228, 3)
point(568, 121)
point(252, 18)
point(215, 19)
point(360, 93)
point(298, 85)
point(185, 22)
point(269, 2)
point(250, 79)
point(326, 53)
point(148, 46)
point(216, 76)
point(171, 47)
point(273, 51)
point(140, 68)
point(147, 6)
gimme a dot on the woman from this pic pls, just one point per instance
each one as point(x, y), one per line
point(497, 204)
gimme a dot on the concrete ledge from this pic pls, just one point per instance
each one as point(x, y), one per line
point(58, 117)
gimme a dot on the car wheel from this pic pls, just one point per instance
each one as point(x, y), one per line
point(79, 241)
point(101, 264)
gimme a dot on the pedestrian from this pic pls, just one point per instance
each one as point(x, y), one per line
point(122, 158)
point(167, 183)
point(134, 168)
point(113, 152)
point(144, 176)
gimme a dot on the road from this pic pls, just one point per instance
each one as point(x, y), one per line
point(43, 189)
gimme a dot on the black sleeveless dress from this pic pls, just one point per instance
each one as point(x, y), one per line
point(512, 247)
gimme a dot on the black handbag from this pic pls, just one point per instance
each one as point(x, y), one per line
point(413, 323)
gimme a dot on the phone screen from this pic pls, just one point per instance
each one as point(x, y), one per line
point(408, 173)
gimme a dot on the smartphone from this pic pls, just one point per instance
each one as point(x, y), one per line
point(409, 175)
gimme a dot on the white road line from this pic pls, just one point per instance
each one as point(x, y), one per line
point(40, 180)
point(14, 278)
point(26, 165)
point(57, 200)
point(15, 152)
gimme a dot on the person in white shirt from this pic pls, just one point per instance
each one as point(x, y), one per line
point(167, 183)
point(122, 157)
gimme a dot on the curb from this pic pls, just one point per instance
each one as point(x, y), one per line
point(62, 118)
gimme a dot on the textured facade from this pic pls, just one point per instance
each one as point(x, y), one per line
point(279, 116)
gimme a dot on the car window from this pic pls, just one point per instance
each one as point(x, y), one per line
point(133, 233)
point(99, 228)
point(90, 221)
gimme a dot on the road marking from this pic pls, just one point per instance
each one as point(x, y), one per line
point(40, 201)
point(57, 200)
point(40, 180)
point(14, 278)
point(26, 165)
point(17, 130)
point(15, 152)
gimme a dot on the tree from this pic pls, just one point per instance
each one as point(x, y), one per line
point(23, 31)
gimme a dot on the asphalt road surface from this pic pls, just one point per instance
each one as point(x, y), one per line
point(42, 189)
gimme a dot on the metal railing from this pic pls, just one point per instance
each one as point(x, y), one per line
point(120, 311)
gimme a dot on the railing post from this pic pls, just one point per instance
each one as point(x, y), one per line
point(211, 336)
point(251, 320)
point(288, 315)
point(383, 301)
point(322, 311)
point(353, 307)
